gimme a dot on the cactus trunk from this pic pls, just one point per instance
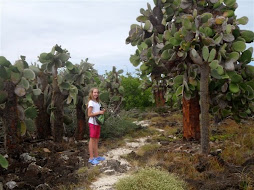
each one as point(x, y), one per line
point(204, 105)
point(82, 127)
point(57, 129)
point(57, 105)
point(43, 119)
point(159, 97)
point(191, 123)
point(11, 121)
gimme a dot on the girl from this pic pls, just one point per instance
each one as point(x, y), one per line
point(93, 110)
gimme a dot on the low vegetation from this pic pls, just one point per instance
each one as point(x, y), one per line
point(230, 163)
point(152, 179)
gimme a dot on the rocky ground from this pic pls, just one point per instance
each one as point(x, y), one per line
point(47, 165)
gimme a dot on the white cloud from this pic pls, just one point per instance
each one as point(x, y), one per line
point(94, 29)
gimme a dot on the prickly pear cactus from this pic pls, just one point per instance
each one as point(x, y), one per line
point(16, 91)
point(51, 62)
point(111, 90)
point(179, 36)
point(77, 80)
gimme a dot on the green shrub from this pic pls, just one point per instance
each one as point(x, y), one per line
point(152, 179)
point(116, 126)
point(134, 97)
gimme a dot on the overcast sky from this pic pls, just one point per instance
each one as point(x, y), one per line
point(94, 29)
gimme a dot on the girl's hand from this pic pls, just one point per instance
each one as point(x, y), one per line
point(101, 112)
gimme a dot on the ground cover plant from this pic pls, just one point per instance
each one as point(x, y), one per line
point(150, 178)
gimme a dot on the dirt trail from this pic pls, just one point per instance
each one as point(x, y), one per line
point(115, 167)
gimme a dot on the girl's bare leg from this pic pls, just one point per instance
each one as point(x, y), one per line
point(96, 141)
point(91, 147)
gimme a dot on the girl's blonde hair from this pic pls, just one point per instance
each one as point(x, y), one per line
point(90, 97)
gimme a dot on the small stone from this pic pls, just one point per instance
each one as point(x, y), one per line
point(164, 143)
point(46, 150)
point(44, 186)
point(27, 158)
point(65, 139)
point(178, 149)
point(218, 151)
point(64, 157)
point(33, 170)
point(109, 172)
point(11, 184)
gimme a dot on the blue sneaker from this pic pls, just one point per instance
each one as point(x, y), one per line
point(93, 161)
point(100, 158)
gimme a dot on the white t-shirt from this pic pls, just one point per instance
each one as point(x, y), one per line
point(96, 108)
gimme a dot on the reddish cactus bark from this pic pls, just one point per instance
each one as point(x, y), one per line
point(191, 122)
point(159, 97)
point(81, 123)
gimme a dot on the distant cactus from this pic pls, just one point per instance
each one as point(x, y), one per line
point(112, 90)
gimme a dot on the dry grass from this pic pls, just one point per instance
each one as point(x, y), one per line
point(152, 160)
point(241, 145)
point(87, 175)
point(92, 173)
point(147, 149)
point(182, 164)
point(170, 130)
point(236, 141)
point(109, 144)
point(142, 133)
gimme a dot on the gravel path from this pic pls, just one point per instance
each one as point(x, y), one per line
point(115, 167)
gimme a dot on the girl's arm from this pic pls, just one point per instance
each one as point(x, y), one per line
point(90, 114)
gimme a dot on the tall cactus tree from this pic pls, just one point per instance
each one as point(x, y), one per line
point(202, 38)
point(15, 93)
point(42, 102)
point(112, 90)
point(158, 57)
point(52, 61)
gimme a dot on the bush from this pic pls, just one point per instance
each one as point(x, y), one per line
point(116, 126)
point(152, 179)
point(134, 97)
